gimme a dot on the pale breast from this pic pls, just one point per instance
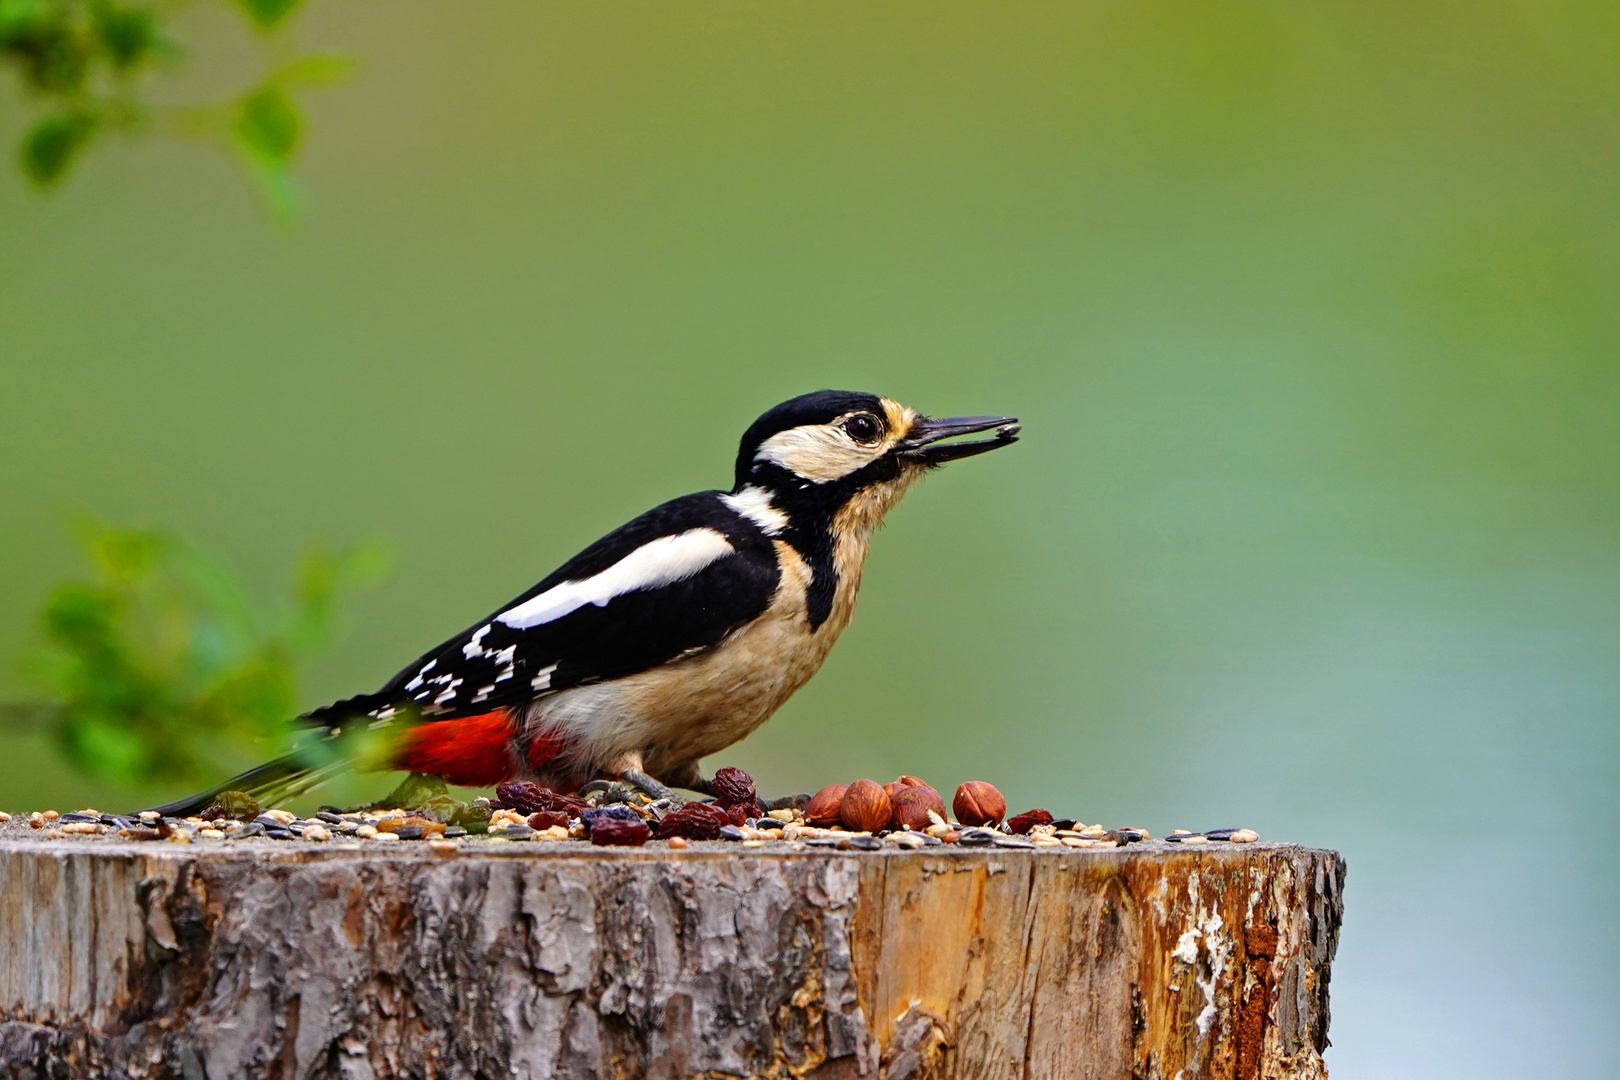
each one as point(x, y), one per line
point(698, 705)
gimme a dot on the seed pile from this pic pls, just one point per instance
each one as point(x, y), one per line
point(864, 816)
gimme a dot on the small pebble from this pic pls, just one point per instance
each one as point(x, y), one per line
point(677, 842)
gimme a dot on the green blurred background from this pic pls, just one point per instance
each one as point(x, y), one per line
point(1309, 311)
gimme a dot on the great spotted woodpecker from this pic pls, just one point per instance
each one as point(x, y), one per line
point(670, 638)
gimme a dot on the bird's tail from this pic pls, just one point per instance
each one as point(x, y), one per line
point(270, 784)
point(285, 777)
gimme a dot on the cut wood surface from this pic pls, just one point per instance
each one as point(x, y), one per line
point(286, 960)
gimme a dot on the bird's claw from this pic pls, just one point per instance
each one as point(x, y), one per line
point(646, 785)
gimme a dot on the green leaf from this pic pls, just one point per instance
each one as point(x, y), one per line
point(268, 13)
point(268, 125)
point(129, 33)
point(51, 147)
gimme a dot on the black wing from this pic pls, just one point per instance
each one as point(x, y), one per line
point(492, 664)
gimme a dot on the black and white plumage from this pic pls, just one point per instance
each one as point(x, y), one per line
point(680, 632)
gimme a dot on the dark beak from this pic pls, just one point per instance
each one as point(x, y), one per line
point(924, 442)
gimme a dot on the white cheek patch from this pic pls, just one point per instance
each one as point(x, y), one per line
point(817, 452)
point(656, 563)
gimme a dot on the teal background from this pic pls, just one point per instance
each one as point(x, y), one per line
point(1309, 311)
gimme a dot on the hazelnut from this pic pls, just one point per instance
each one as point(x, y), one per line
point(826, 805)
point(911, 807)
point(866, 807)
point(893, 789)
point(979, 803)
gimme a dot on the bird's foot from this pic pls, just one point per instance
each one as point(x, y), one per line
point(646, 785)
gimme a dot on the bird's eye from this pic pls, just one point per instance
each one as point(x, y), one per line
point(864, 428)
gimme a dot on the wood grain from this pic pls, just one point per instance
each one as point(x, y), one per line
point(289, 960)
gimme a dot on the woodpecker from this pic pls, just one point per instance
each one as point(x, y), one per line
point(670, 638)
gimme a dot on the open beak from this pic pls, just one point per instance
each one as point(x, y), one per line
point(924, 443)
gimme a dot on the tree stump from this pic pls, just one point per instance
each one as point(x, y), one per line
point(291, 960)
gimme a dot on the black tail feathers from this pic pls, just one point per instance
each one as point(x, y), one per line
point(284, 777)
point(269, 784)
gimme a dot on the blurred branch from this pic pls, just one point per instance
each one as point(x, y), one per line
point(85, 63)
point(19, 716)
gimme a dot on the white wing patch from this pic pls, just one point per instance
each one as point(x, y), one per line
point(754, 503)
point(656, 563)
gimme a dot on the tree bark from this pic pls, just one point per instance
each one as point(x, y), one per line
point(286, 960)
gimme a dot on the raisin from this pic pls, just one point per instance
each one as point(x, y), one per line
point(738, 812)
point(695, 821)
point(616, 833)
point(527, 797)
point(733, 786)
point(1026, 821)
point(545, 819)
point(591, 816)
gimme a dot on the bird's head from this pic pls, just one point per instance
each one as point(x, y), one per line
point(835, 448)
